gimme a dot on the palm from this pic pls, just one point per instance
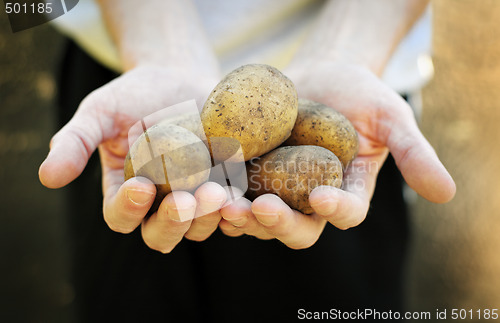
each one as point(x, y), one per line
point(381, 117)
point(103, 120)
point(105, 116)
point(384, 123)
point(366, 102)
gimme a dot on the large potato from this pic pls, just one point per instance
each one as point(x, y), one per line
point(292, 173)
point(320, 125)
point(171, 157)
point(255, 106)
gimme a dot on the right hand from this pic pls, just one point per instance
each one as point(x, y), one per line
point(102, 121)
point(384, 122)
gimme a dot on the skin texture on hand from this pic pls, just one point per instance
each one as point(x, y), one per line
point(337, 65)
point(168, 33)
point(385, 123)
point(102, 121)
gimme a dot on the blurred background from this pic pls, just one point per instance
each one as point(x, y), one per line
point(34, 267)
point(455, 258)
point(454, 261)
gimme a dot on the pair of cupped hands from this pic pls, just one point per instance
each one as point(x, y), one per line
point(383, 120)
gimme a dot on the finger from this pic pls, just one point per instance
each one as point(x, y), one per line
point(232, 194)
point(294, 229)
point(126, 205)
point(238, 212)
point(347, 207)
point(71, 148)
point(210, 197)
point(166, 227)
point(342, 209)
point(415, 157)
point(239, 215)
point(229, 229)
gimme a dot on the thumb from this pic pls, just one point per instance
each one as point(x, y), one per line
point(416, 159)
point(70, 150)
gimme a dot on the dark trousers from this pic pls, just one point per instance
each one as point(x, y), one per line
point(118, 279)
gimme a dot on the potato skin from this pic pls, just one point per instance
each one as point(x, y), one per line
point(254, 104)
point(172, 146)
point(188, 121)
point(321, 125)
point(292, 173)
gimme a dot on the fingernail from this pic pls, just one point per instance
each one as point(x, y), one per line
point(139, 197)
point(267, 219)
point(180, 215)
point(210, 206)
point(326, 207)
point(238, 222)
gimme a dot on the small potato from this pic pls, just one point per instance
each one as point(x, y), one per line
point(254, 106)
point(171, 157)
point(320, 125)
point(292, 173)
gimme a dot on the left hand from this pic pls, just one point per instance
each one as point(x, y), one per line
point(384, 122)
point(102, 121)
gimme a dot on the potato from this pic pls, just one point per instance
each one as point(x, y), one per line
point(292, 173)
point(320, 125)
point(187, 120)
point(255, 106)
point(171, 157)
